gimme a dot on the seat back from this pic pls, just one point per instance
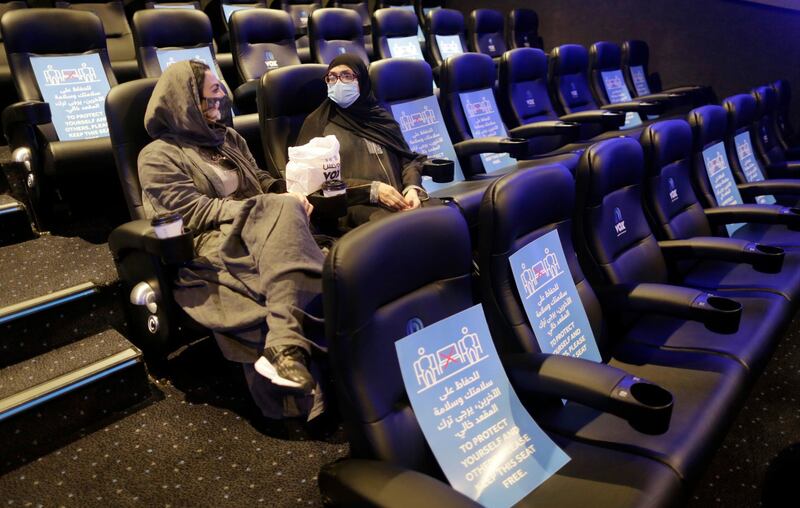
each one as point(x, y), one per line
point(44, 68)
point(262, 40)
point(333, 32)
point(423, 7)
point(228, 7)
point(613, 238)
point(767, 141)
point(510, 220)
point(4, 8)
point(469, 105)
point(635, 62)
point(285, 98)
point(446, 35)
point(669, 199)
point(363, 320)
point(360, 6)
point(606, 78)
point(394, 34)
point(125, 109)
point(739, 145)
point(119, 37)
point(487, 32)
point(567, 67)
point(523, 29)
point(783, 91)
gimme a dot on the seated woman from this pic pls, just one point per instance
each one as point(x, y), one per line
point(256, 279)
point(372, 149)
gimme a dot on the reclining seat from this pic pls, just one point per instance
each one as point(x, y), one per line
point(467, 95)
point(261, 40)
point(6, 83)
point(165, 35)
point(780, 161)
point(619, 252)
point(362, 8)
point(524, 98)
point(394, 34)
point(406, 5)
point(786, 132)
point(391, 464)
point(446, 36)
point(705, 386)
point(523, 29)
point(635, 63)
point(487, 32)
point(678, 218)
point(119, 39)
point(569, 84)
point(301, 12)
point(64, 151)
point(333, 32)
point(769, 224)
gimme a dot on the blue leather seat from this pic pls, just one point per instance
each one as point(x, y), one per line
point(523, 29)
point(392, 24)
point(780, 160)
point(300, 12)
point(446, 35)
point(487, 32)
point(333, 32)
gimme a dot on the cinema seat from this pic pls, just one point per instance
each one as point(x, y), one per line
point(395, 28)
point(706, 387)
point(390, 463)
point(6, 83)
point(786, 131)
point(333, 32)
point(446, 36)
point(780, 160)
point(619, 251)
point(301, 12)
point(487, 32)
point(523, 29)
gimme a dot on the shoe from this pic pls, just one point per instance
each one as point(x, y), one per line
point(286, 366)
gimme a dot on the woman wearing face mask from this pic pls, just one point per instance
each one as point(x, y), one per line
point(373, 152)
point(256, 280)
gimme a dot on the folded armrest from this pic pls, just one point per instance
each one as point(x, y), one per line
point(548, 128)
point(28, 112)
point(772, 186)
point(718, 314)
point(764, 258)
point(139, 235)
point(608, 119)
point(360, 482)
point(646, 406)
point(644, 107)
point(766, 214)
point(516, 147)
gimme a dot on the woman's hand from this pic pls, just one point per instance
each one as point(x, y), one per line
point(389, 197)
point(304, 201)
point(412, 199)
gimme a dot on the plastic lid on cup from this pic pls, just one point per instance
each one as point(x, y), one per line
point(165, 218)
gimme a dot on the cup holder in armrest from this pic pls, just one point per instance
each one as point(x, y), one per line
point(647, 406)
point(173, 250)
point(516, 147)
point(441, 170)
point(768, 259)
point(792, 211)
point(717, 313)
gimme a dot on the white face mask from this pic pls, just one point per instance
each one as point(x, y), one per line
point(343, 94)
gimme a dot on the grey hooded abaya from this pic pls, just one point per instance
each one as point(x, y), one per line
point(256, 279)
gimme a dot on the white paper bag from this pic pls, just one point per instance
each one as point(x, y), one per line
point(312, 164)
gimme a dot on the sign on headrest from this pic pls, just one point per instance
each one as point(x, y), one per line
point(425, 132)
point(405, 47)
point(721, 178)
point(486, 443)
point(551, 300)
point(617, 92)
point(449, 45)
point(639, 80)
point(229, 9)
point(174, 6)
point(484, 120)
point(420, 35)
point(75, 87)
point(167, 57)
point(750, 166)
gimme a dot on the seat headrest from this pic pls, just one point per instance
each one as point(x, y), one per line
point(605, 55)
point(524, 20)
point(400, 79)
point(162, 28)
point(395, 22)
point(767, 99)
point(254, 26)
point(784, 92)
point(741, 110)
point(635, 53)
point(486, 21)
point(516, 214)
point(569, 59)
point(23, 31)
point(608, 166)
point(446, 22)
point(664, 143)
point(523, 64)
point(709, 125)
point(466, 72)
point(335, 24)
point(293, 90)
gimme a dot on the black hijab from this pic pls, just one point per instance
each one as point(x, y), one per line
point(365, 117)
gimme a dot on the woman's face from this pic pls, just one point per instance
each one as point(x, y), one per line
point(340, 70)
point(212, 93)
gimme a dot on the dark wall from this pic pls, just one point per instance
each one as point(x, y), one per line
point(728, 44)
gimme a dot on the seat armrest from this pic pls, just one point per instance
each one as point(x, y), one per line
point(772, 186)
point(786, 170)
point(515, 147)
point(361, 482)
point(548, 128)
point(667, 97)
point(28, 113)
point(718, 314)
point(644, 107)
point(646, 406)
point(764, 258)
point(608, 119)
point(139, 235)
point(765, 214)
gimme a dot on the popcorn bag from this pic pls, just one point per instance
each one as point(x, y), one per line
point(312, 164)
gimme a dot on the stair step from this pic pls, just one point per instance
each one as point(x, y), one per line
point(42, 303)
point(15, 224)
point(45, 400)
